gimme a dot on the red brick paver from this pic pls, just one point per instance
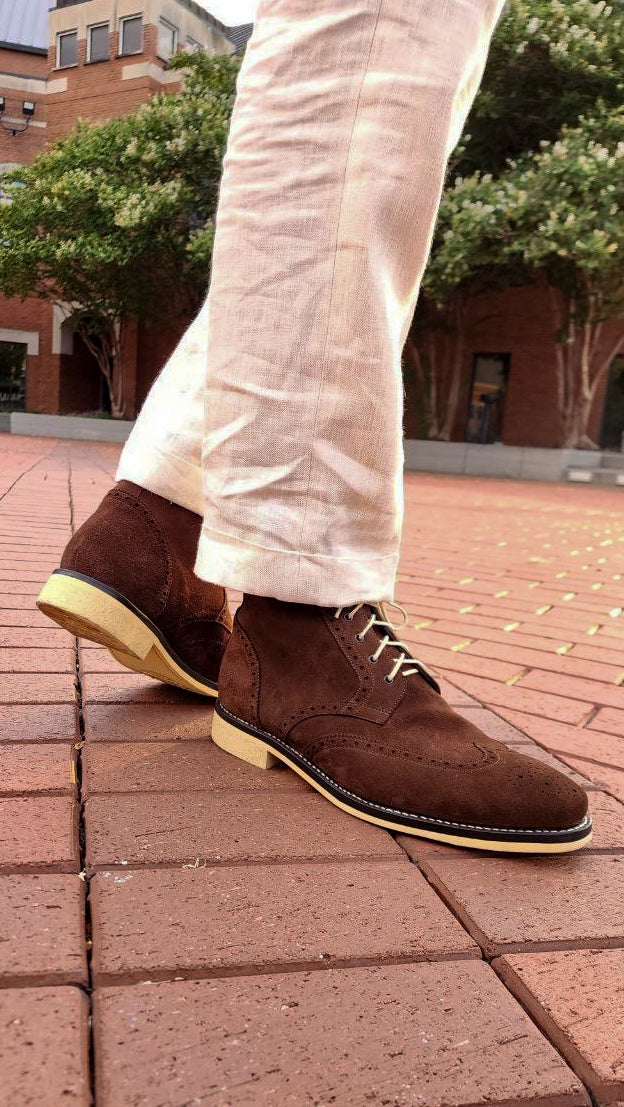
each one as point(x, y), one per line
point(415, 1034)
point(199, 921)
point(537, 904)
point(226, 828)
point(141, 866)
point(43, 934)
point(44, 1047)
point(578, 997)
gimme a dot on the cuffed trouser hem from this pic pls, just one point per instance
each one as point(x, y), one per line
point(292, 575)
point(166, 474)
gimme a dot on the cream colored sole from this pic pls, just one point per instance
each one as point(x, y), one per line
point(89, 612)
point(258, 753)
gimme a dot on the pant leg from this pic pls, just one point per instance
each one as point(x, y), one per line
point(163, 452)
point(346, 113)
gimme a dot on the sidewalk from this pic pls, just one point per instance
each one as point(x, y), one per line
point(178, 930)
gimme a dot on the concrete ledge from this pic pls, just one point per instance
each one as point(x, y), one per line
point(69, 426)
point(516, 462)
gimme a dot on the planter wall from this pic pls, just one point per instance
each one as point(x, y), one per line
point(518, 462)
point(70, 426)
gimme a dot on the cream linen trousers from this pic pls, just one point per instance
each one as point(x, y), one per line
point(279, 416)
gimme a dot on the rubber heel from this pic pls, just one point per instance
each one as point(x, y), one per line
point(89, 612)
point(237, 742)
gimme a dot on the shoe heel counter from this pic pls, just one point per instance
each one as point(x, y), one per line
point(239, 678)
point(121, 546)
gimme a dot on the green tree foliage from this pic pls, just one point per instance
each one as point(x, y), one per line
point(551, 61)
point(545, 205)
point(566, 207)
point(116, 220)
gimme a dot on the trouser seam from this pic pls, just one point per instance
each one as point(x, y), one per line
point(333, 277)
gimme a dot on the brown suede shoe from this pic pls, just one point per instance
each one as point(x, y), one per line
point(335, 696)
point(126, 581)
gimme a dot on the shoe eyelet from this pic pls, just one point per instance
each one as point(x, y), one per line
point(347, 618)
point(359, 637)
point(373, 660)
point(388, 680)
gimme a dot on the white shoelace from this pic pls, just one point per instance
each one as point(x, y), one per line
point(405, 659)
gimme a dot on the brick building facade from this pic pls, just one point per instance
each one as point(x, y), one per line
point(90, 59)
point(508, 382)
point(97, 59)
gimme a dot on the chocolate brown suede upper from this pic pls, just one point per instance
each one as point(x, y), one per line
point(144, 547)
point(301, 674)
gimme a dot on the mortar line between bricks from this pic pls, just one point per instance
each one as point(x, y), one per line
point(27, 471)
point(546, 1026)
point(468, 923)
point(236, 863)
point(82, 829)
point(133, 977)
point(491, 959)
point(439, 895)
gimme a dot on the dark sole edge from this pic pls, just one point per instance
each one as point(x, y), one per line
point(144, 619)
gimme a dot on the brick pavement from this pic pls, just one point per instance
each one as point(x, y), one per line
point(177, 929)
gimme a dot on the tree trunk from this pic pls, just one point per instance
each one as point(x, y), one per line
point(106, 350)
point(592, 377)
point(434, 425)
point(454, 391)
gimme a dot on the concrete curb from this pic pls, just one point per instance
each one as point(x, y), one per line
point(69, 426)
point(517, 462)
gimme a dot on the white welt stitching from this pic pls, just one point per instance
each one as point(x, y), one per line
point(393, 811)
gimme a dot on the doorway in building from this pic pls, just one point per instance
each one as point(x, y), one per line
point(13, 376)
point(612, 429)
point(486, 401)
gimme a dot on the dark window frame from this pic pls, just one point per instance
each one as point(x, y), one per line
point(72, 33)
point(124, 20)
point(97, 27)
point(166, 24)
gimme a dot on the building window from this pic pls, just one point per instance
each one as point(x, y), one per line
point(167, 39)
point(66, 49)
point(193, 46)
point(131, 35)
point(13, 376)
point(486, 402)
point(98, 42)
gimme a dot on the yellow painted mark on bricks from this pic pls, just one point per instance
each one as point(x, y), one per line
point(544, 609)
point(615, 612)
point(499, 595)
point(514, 679)
point(461, 645)
point(568, 596)
point(465, 610)
point(594, 630)
point(511, 626)
point(424, 623)
point(467, 580)
point(565, 648)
